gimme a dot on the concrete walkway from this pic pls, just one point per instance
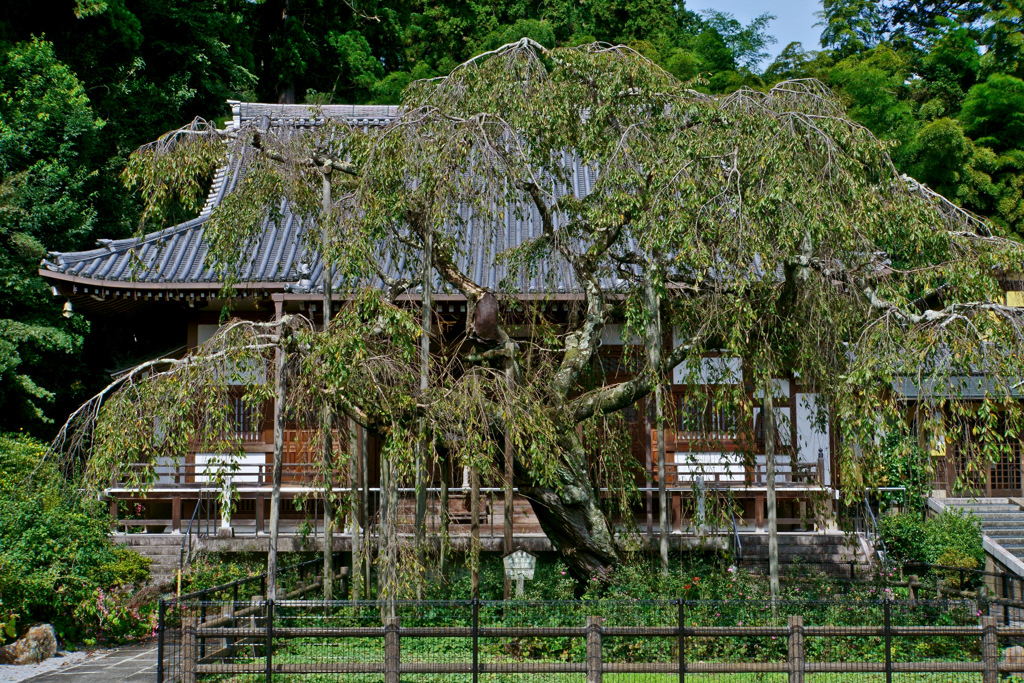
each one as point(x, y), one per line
point(131, 664)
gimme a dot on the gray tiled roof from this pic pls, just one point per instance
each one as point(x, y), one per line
point(280, 257)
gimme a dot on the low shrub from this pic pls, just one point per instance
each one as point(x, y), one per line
point(954, 534)
point(115, 616)
point(952, 538)
point(55, 551)
point(904, 537)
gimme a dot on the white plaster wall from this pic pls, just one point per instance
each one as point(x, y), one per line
point(209, 465)
point(611, 335)
point(164, 469)
point(712, 371)
point(206, 331)
point(729, 466)
point(812, 436)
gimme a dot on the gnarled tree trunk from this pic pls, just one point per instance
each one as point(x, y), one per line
point(571, 516)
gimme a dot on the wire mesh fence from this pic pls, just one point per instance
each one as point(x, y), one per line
point(603, 641)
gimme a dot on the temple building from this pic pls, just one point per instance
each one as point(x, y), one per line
point(164, 285)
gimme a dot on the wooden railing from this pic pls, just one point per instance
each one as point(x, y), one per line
point(729, 470)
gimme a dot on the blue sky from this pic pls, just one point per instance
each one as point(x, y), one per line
point(795, 18)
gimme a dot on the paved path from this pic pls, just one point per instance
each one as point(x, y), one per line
point(132, 664)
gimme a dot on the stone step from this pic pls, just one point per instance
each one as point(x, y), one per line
point(803, 540)
point(157, 550)
point(973, 501)
point(998, 512)
point(1015, 520)
point(995, 510)
point(149, 539)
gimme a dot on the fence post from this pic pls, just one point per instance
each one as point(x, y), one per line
point(989, 650)
point(796, 649)
point(476, 639)
point(593, 649)
point(912, 582)
point(392, 650)
point(682, 641)
point(160, 618)
point(1006, 598)
point(201, 642)
point(270, 641)
point(189, 648)
point(887, 607)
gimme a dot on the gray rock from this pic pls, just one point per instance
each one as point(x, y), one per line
point(38, 644)
point(1014, 655)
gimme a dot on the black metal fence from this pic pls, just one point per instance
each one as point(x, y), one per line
point(625, 641)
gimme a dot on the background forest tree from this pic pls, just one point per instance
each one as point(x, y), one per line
point(85, 82)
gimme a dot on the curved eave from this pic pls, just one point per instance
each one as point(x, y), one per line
point(132, 286)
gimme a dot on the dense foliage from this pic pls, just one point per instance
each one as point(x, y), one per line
point(83, 83)
point(57, 563)
point(951, 539)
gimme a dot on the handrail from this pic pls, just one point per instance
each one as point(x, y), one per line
point(188, 537)
point(301, 566)
point(737, 550)
point(873, 533)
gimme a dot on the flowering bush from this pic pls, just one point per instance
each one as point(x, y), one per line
point(55, 551)
point(114, 616)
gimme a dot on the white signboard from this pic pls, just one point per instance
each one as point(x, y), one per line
point(519, 566)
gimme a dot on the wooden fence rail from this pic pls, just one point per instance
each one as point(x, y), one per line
point(255, 626)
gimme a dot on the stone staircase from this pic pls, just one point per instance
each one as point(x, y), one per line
point(830, 551)
point(492, 513)
point(163, 549)
point(1002, 519)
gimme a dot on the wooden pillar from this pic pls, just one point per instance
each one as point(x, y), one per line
point(474, 541)
point(759, 513)
point(113, 514)
point(796, 649)
point(649, 466)
point(392, 651)
point(176, 514)
point(593, 649)
point(1020, 465)
point(989, 650)
point(677, 511)
point(189, 648)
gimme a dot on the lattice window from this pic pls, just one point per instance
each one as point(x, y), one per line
point(248, 421)
point(1006, 472)
point(703, 420)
